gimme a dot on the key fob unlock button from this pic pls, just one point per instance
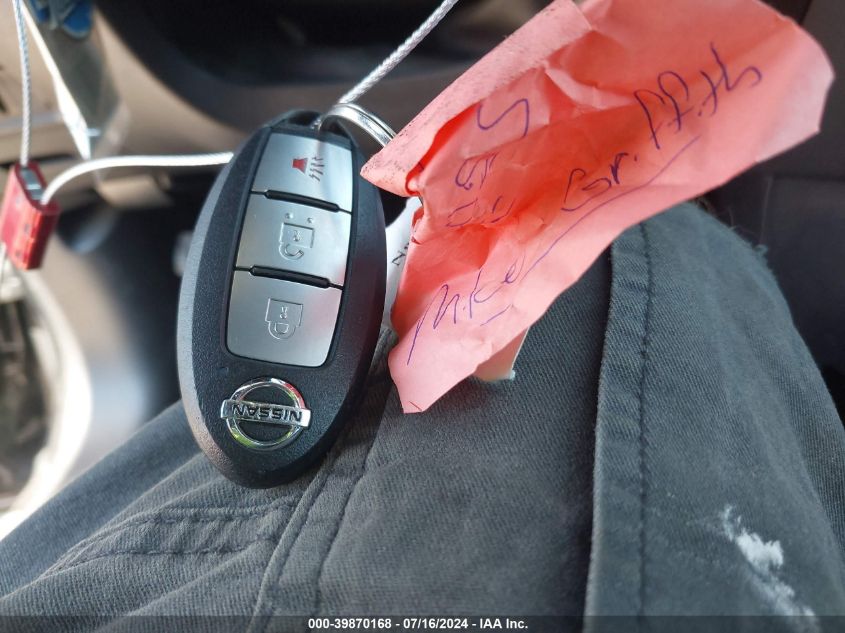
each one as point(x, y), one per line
point(296, 238)
point(281, 321)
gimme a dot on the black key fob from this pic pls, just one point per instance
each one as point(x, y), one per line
point(281, 301)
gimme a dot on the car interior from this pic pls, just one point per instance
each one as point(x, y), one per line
point(88, 341)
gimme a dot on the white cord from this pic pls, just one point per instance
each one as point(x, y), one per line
point(26, 90)
point(198, 160)
point(399, 54)
point(112, 162)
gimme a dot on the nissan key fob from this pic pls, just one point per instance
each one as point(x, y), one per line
point(281, 301)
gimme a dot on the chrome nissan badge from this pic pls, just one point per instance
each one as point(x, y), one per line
point(289, 414)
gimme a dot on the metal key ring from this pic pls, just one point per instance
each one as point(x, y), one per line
point(363, 119)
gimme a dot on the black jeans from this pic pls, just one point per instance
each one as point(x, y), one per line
point(667, 447)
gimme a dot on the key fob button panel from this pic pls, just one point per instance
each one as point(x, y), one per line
point(306, 167)
point(281, 321)
point(295, 238)
point(272, 358)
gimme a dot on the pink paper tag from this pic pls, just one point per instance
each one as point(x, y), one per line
point(581, 124)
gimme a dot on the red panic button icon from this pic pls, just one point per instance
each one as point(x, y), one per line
point(312, 167)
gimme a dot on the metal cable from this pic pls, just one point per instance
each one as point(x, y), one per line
point(220, 158)
point(26, 108)
point(378, 73)
point(112, 162)
point(199, 160)
point(26, 84)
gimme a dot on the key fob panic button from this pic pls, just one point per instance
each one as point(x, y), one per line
point(295, 238)
point(306, 167)
point(281, 321)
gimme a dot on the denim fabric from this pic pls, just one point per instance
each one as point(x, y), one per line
point(483, 503)
point(720, 458)
point(667, 447)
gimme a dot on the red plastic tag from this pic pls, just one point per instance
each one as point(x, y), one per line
point(25, 223)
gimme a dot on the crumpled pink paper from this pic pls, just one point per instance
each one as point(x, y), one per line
point(582, 123)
